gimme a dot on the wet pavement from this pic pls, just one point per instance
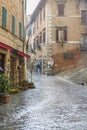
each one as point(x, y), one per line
point(55, 104)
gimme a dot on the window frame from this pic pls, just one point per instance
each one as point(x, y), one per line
point(58, 38)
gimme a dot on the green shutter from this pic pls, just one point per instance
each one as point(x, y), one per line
point(13, 24)
point(4, 17)
point(20, 30)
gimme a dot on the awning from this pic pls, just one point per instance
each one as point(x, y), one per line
point(23, 54)
point(2, 45)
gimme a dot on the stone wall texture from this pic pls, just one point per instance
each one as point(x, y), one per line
point(13, 8)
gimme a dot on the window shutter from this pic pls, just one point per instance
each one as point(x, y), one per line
point(44, 37)
point(4, 17)
point(41, 16)
point(13, 24)
point(44, 12)
point(57, 35)
point(40, 38)
point(20, 30)
point(34, 47)
point(84, 17)
point(61, 9)
point(65, 35)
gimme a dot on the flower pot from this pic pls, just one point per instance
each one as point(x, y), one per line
point(5, 98)
point(21, 88)
point(13, 92)
point(32, 86)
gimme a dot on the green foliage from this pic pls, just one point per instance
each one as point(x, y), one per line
point(5, 83)
point(20, 87)
point(14, 90)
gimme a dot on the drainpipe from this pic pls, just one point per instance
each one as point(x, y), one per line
point(23, 14)
point(24, 35)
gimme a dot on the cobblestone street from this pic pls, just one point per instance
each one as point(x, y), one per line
point(55, 104)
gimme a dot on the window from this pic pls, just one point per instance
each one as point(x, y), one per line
point(40, 16)
point(4, 17)
point(37, 42)
point(40, 38)
point(44, 36)
point(84, 39)
point(34, 45)
point(20, 30)
point(34, 27)
point(61, 34)
point(84, 16)
point(83, 42)
point(60, 9)
point(37, 22)
point(44, 13)
point(13, 24)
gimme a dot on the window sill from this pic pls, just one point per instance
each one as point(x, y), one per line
point(60, 16)
point(61, 42)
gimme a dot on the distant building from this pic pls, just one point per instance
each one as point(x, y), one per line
point(12, 39)
point(57, 33)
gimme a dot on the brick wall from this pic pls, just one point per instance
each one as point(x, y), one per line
point(67, 60)
point(72, 22)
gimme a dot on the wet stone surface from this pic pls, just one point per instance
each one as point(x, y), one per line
point(55, 104)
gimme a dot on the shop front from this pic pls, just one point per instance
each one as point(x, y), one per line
point(12, 63)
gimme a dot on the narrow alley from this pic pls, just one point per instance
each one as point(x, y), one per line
point(55, 104)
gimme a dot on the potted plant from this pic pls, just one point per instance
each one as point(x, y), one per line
point(25, 84)
point(5, 84)
point(14, 91)
point(31, 85)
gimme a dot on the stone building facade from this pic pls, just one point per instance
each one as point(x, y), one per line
point(12, 39)
point(57, 33)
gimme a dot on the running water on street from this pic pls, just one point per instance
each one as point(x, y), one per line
point(55, 104)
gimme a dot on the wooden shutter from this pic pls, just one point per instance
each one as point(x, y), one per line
point(4, 17)
point(40, 38)
point(57, 35)
point(44, 36)
point(65, 35)
point(61, 9)
point(20, 30)
point(40, 15)
point(44, 12)
point(84, 16)
point(13, 24)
